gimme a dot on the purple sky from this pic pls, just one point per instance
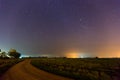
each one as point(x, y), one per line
point(60, 27)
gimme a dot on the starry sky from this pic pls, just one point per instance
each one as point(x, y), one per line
point(61, 27)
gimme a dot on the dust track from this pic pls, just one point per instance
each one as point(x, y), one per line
point(25, 71)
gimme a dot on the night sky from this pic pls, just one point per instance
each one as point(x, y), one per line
point(72, 28)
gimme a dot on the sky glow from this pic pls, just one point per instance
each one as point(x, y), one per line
point(61, 27)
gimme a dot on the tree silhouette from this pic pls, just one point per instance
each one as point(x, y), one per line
point(3, 55)
point(13, 53)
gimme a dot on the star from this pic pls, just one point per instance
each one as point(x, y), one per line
point(81, 19)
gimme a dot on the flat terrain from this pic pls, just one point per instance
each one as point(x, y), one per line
point(25, 71)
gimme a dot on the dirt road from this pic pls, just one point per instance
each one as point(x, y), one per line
point(25, 71)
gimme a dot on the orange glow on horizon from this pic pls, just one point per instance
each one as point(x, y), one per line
point(110, 55)
point(72, 55)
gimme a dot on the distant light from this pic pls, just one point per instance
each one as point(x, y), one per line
point(72, 55)
point(84, 55)
point(81, 56)
point(24, 56)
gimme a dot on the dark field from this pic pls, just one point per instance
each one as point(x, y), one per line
point(5, 64)
point(60, 69)
point(81, 69)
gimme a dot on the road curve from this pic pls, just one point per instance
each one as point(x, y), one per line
point(25, 71)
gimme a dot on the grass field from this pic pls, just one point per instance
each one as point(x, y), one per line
point(80, 69)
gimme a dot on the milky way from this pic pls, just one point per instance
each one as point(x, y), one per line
point(60, 27)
